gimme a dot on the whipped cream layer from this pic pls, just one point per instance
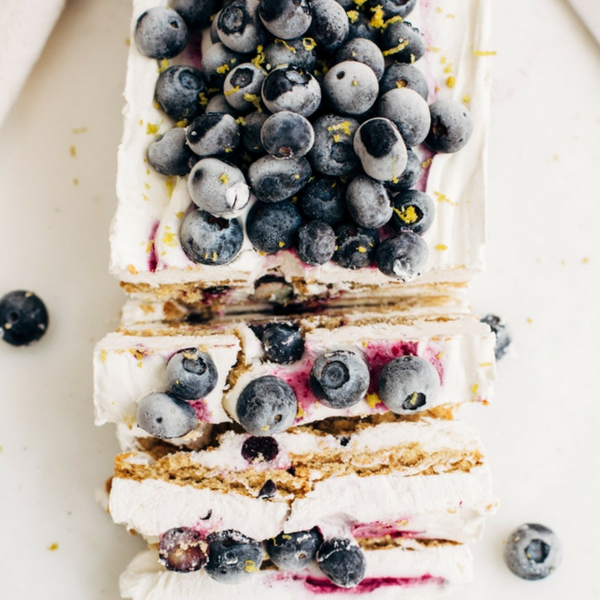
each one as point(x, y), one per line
point(411, 571)
point(145, 244)
point(132, 364)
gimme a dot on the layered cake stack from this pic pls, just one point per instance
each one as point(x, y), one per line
point(301, 207)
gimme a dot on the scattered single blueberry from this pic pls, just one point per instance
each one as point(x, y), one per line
point(267, 405)
point(403, 76)
point(282, 343)
point(213, 133)
point(268, 490)
point(294, 551)
point(394, 8)
point(451, 126)
point(191, 374)
point(413, 211)
point(233, 557)
point(170, 155)
point(178, 92)
point(287, 135)
point(166, 417)
point(242, 86)
point(342, 562)
point(291, 88)
point(260, 449)
point(363, 51)
point(403, 42)
point(286, 19)
point(533, 552)
point(503, 337)
point(339, 379)
point(251, 128)
point(210, 240)
point(239, 26)
point(403, 256)
point(273, 180)
point(196, 13)
point(333, 152)
point(323, 199)
point(161, 33)
point(217, 62)
point(409, 112)
point(182, 550)
point(330, 25)
point(23, 318)
point(356, 246)
point(299, 52)
point(316, 243)
point(351, 87)
point(369, 202)
point(410, 176)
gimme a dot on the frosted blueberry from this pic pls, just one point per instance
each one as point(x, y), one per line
point(214, 30)
point(339, 379)
point(409, 112)
point(351, 87)
point(191, 374)
point(213, 133)
point(369, 202)
point(251, 128)
point(273, 227)
point(413, 211)
point(316, 243)
point(233, 557)
point(218, 61)
point(342, 561)
point(170, 155)
point(239, 26)
point(360, 27)
point(219, 104)
point(410, 175)
point(363, 51)
point(403, 76)
point(282, 343)
point(532, 552)
point(285, 19)
point(196, 13)
point(273, 180)
point(402, 257)
point(330, 25)
point(333, 152)
point(402, 42)
point(23, 318)
point(503, 337)
point(356, 246)
point(408, 385)
point(294, 551)
point(299, 52)
point(323, 199)
point(394, 8)
point(451, 126)
point(165, 417)
point(267, 405)
point(287, 135)
point(178, 92)
point(291, 88)
point(161, 33)
point(182, 550)
point(242, 86)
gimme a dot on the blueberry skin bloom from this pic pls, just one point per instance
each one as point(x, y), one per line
point(161, 33)
point(342, 562)
point(273, 227)
point(413, 211)
point(165, 417)
point(532, 552)
point(170, 155)
point(394, 8)
point(233, 557)
point(363, 51)
point(403, 76)
point(299, 52)
point(182, 550)
point(403, 42)
point(330, 24)
point(323, 199)
point(291, 88)
point(274, 180)
point(356, 246)
point(217, 62)
point(282, 343)
point(251, 129)
point(333, 151)
point(243, 82)
point(191, 374)
point(239, 27)
point(409, 112)
point(267, 405)
point(178, 92)
point(351, 87)
point(369, 202)
point(316, 243)
point(503, 337)
point(294, 551)
point(339, 379)
point(209, 240)
point(23, 318)
point(196, 13)
point(410, 175)
point(402, 257)
point(219, 104)
point(408, 385)
point(287, 135)
point(286, 19)
point(213, 133)
point(451, 126)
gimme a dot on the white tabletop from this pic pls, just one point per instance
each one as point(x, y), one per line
point(542, 277)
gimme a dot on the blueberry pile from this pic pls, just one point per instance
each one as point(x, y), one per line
point(315, 107)
point(231, 557)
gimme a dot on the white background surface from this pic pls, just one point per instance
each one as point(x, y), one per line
point(542, 276)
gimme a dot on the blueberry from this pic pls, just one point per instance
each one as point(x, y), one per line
point(291, 88)
point(211, 240)
point(260, 449)
point(282, 343)
point(409, 112)
point(217, 62)
point(251, 128)
point(273, 180)
point(191, 374)
point(219, 104)
point(339, 379)
point(369, 202)
point(214, 133)
point(401, 76)
point(403, 42)
point(533, 552)
point(166, 417)
point(333, 152)
point(503, 337)
point(408, 385)
point(342, 562)
point(451, 126)
point(285, 19)
point(169, 153)
point(413, 211)
point(330, 25)
point(242, 86)
point(299, 52)
point(287, 135)
point(274, 289)
point(268, 490)
point(351, 87)
point(381, 149)
point(403, 256)
point(218, 188)
point(239, 27)
point(267, 405)
point(178, 91)
point(363, 51)
point(294, 551)
point(316, 243)
point(394, 8)
point(360, 27)
point(410, 176)
point(323, 199)
point(23, 318)
point(214, 30)
point(196, 13)
point(161, 33)
point(233, 557)
point(356, 246)
point(182, 550)
point(273, 227)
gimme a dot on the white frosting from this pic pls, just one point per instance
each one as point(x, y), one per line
point(149, 202)
point(146, 579)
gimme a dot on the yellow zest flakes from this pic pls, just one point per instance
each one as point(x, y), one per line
point(132, 269)
point(281, 244)
point(337, 138)
point(232, 91)
point(362, 249)
point(440, 355)
point(260, 58)
point(145, 198)
point(443, 198)
point(377, 20)
point(169, 238)
point(433, 49)
point(250, 566)
point(203, 99)
point(156, 105)
point(585, 261)
point(128, 41)
point(439, 10)
point(103, 355)
point(401, 83)
point(138, 354)
point(265, 428)
point(147, 185)
point(530, 320)
point(75, 181)
point(486, 364)
point(359, 2)
point(148, 171)
point(309, 44)
point(373, 400)
point(300, 413)
point(53, 547)
point(77, 130)
point(407, 215)
point(448, 69)
point(451, 82)
point(354, 82)
point(170, 183)
point(214, 256)
point(149, 246)
point(443, 60)
point(297, 176)
point(224, 179)
point(396, 19)
point(474, 388)
point(73, 151)
point(152, 128)
point(163, 65)
point(450, 16)
point(414, 399)
point(344, 127)
point(285, 45)
point(484, 53)
point(352, 15)
point(241, 121)
point(466, 98)
point(403, 44)
point(254, 100)
point(223, 69)
point(427, 163)
point(441, 247)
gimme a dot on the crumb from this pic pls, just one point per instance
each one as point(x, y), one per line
point(530, 320)
point(73, 151)
point(77, 130)
point(585, 260)
point(75, 181)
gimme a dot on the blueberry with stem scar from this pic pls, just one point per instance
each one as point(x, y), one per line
point(166, 417)
point(242, 86)
point(191, 374)
point(451, 126)
point(402, 257)
point(233, 557)
point(178, 92)
point(23, 318)
point(286, 19)
point(239, 26)
point(351, 87)
point(161, 33)
point(532, 552)
point(286, 135)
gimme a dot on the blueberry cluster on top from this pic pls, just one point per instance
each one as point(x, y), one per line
point(231, 557)
point(325, 105)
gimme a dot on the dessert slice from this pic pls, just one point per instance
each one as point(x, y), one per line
point(363, 215)
point(174, 380)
